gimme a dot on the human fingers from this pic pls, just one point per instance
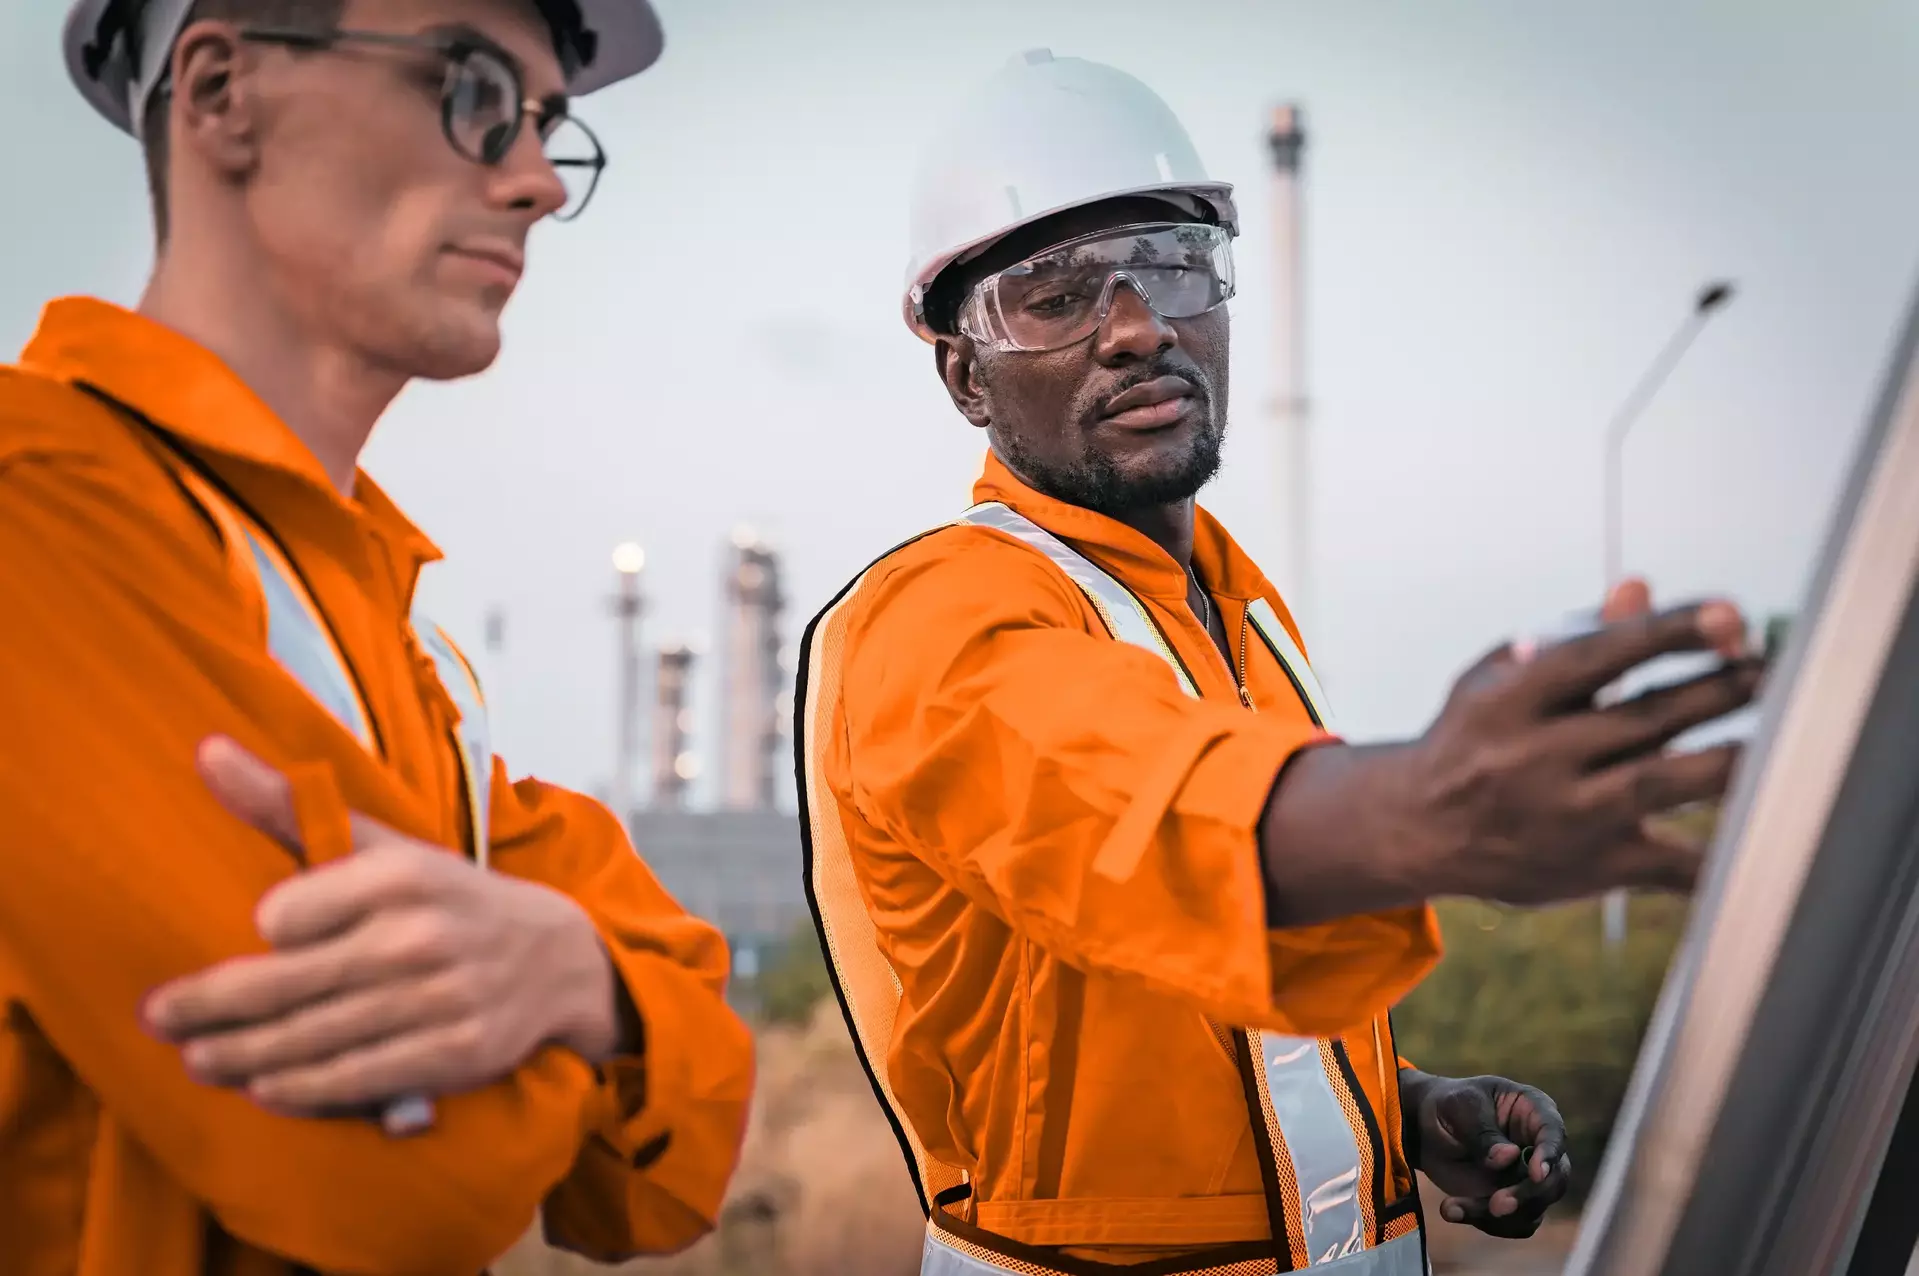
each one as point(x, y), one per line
point(1654, 718)
point(1478, 1212)
point(392, 871)
point(440, 1058)
point(1629, 598)
point(1469, 1113)
point(1530, 1116)
point(1544, 1184)
point(1650, 786)
point(1574, 671)
point(251, 790)
point(395, 944)
point(243, 990)
point(323, 1029)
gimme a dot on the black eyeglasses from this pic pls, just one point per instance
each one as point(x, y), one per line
point(483, 105)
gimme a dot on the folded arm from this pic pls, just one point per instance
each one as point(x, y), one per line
point(123, 873)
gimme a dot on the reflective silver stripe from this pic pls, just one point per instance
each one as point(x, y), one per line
point(299, 646)
point(1398, 1257)
point(938, 1258)
point(473, 736)
point(1124, 615)
point(1267, 621)
point(1319, 1141)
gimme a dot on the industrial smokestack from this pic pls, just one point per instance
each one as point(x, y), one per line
point(1292, 442)
point(673, 765)
point(628, 560)
point(753, 677)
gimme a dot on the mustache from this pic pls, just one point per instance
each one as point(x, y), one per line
point(1152, 371)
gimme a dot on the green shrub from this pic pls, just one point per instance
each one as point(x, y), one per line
point(792, 979)
point(1533, 995)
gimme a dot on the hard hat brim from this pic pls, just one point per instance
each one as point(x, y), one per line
point(628, 40)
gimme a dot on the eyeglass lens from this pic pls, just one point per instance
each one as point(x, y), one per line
point(482, 102)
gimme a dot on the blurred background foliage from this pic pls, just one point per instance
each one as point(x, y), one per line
point(1533, 994)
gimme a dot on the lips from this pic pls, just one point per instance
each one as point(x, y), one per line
point(507, 260)
point(1151, 404)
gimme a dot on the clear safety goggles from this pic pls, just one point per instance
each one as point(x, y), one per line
point(1061, 296)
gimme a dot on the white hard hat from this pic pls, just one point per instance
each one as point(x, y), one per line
point(614, 39)
point(1042, 135)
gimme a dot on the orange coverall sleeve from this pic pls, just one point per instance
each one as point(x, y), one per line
point(1063, 781)
point(668, 1130)
point(122, 872)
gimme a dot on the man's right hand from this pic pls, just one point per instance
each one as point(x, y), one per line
point(1522, 790)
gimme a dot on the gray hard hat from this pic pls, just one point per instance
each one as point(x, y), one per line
point(601, 42)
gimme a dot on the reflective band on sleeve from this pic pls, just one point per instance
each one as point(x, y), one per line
point(1125, 617)
point(1319, 1141)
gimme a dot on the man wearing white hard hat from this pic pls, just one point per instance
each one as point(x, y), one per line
point(1116, 919)
point(479, 1007)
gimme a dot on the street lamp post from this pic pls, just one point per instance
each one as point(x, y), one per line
point(1710, 299)
point(628, 560)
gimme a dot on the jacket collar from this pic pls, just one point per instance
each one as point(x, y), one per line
point(189, 391)
point(1130, 556)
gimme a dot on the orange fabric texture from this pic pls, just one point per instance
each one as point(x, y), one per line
point(126, 642)
point(1058, 848)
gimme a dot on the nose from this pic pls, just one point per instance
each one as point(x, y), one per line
point(1132, 330)
point(525, 181)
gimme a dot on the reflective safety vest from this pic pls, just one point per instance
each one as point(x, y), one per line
point(1311, 1123)
point(302, 643)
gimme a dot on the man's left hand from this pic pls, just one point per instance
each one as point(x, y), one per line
point(399, 970)
point(1473, 1136)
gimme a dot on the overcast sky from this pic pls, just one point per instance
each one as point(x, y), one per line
point(1510, 207)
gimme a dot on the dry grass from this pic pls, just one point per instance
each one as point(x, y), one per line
point(821, 1189)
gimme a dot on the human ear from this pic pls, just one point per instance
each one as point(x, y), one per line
point(214, 97)
point(957, 360)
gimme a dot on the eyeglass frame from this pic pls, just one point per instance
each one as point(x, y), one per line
point(1005, 345)
point(455, 50)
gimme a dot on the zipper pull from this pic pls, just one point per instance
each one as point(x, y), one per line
point(1246, 698)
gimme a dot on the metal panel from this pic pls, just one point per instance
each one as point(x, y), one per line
point(1785, 1038)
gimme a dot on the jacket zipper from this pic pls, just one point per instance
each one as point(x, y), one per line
point(1239, 674)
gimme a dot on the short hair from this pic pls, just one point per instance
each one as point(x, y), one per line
point(316, 15)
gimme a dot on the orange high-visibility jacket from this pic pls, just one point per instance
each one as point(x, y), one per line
point(133, 466)
point(1032, 852)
